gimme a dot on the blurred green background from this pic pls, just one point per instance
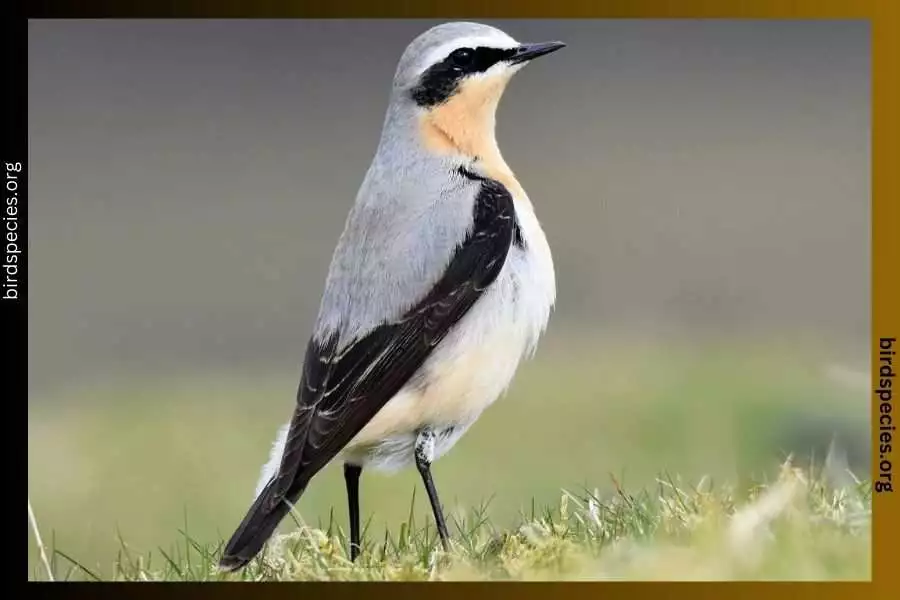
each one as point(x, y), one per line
point(137, 456)
point(704, 186)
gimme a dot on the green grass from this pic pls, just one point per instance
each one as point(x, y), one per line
point(797, 527)
point(138, 458)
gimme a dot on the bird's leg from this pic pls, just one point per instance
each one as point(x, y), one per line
point(424, 457)
point(351, 477)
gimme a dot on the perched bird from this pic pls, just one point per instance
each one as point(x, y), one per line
point(442, 280)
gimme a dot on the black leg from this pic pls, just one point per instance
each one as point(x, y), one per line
point(424, 457)
point(351, 477)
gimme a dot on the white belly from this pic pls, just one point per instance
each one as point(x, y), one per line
point(468, 371)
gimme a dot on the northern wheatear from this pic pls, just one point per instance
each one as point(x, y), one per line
point(440, 283)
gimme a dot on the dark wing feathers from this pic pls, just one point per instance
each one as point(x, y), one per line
point(340, 393)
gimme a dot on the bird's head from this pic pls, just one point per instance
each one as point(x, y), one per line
point(462, 59)
point(453, 76)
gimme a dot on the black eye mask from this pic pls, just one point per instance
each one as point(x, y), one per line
point(441, 81)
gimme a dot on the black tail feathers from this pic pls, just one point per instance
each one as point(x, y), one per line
point(256, 528)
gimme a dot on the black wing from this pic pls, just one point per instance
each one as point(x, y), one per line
point(340, 393)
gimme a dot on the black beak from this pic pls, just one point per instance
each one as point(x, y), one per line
point(527, 52)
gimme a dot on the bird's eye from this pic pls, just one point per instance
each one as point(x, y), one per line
point(462, 56)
